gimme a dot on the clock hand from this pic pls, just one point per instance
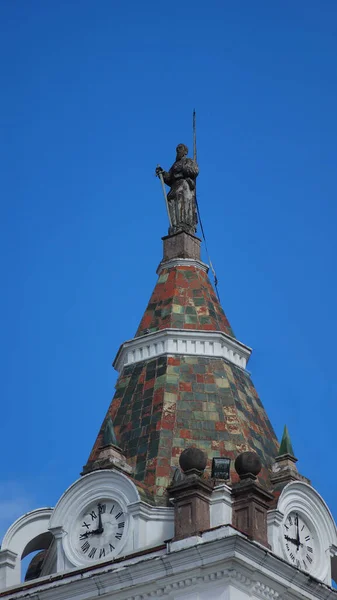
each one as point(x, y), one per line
point(100, 526)
point(297, 534)
point(292, 540)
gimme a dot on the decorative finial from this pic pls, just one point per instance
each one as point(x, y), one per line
point(193, 461)
point(248, 465)
point(181, 199)
point(109, 436)
point(286, 445)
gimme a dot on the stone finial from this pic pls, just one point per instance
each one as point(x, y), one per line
point(286, 445)
point(250, 500)
point(191, 495)
point(193, 461)
point(248, 465)
point(284, 468)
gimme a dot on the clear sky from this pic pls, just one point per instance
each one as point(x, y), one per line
point(93, 96)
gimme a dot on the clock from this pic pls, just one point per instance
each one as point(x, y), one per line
point(299, 541)
point(99, 530)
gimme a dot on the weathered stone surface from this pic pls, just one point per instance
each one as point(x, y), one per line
point(181, 245)
point(251, 502)
point(191, 506)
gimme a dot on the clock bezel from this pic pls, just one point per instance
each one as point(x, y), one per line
point(109, 484)
point(313, 534)
point(85, 558)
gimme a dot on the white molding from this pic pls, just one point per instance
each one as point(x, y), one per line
point(182, 262)
point(188, 342)
point(218, 565)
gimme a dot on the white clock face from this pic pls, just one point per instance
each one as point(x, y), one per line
point(299, 542)
point(99, 530)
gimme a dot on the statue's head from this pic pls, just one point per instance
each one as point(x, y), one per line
point(181, 150)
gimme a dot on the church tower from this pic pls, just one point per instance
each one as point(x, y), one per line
point(186, 492)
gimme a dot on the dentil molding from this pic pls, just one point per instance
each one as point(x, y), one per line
point(188, 342)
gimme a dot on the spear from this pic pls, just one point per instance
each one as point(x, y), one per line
point(160, 175)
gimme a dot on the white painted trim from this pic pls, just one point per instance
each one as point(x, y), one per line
point(183, 342)
point(182, 262)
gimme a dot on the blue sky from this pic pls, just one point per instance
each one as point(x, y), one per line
point(93, 96)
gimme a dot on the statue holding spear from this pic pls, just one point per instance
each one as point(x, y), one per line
point(181, 199)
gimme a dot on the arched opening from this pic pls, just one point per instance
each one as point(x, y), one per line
point(34, 556)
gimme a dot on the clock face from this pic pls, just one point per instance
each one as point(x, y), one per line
point(299, 542)
point(99, 530)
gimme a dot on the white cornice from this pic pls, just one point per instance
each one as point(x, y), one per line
point(182, 262)
point(188, 342)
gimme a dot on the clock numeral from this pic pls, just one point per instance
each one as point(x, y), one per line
point(305, 565)
point(309, 559)
point(111, 547)
point(83, 536)
point(92, 552)
point(290, 520)
point(292, 556)
point(309, 549)
point(296, 519)
point(302, 527)
point(118, 515)
point(85, 525)
point(287, 546)
point(286, 527)
point(113, 506)
point(118, 536)
point(85, 547)
point(307, 538)
point(102, 508)
point(101, 552)
point(298, 564)
point(122, 523)
point(93, 515)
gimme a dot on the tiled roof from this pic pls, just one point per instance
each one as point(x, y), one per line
point(183, 298)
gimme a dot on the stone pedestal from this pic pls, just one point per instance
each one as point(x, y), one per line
point(191, 499)
point(250, 505)
point(110, 457)
point(181, 245)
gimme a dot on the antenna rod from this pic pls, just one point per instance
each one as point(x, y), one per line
point(194, 137)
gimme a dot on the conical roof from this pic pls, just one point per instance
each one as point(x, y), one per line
point(183, 381)
point(184, 298)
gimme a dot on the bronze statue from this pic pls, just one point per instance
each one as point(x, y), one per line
point(181, 198)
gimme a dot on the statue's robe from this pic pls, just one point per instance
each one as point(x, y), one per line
point(181, 197)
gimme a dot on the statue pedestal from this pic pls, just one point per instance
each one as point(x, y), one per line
point(181, 245)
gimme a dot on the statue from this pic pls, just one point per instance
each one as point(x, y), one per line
point(181, 199)
point(109, 436)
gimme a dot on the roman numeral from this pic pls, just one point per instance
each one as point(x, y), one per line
point(309, 549)
point(85, 547)
point(101, 552)
point(307, 538)
point(296, 519)
point(93, 515)
point(298, 564)
point(118, 536)
point(287, 546)
point(290, 520)
point(92, 552)
point(118, 515)
point(309, 559)
point(102, 508)
point(286, 527)
point(113, 506)
point(111, 547)
point(302, 527)
point(292, 556)
point(122, 523)
point(85, 525)
point(305, 565)
point(83, 536)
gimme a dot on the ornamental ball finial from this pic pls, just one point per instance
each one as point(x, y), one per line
point(193, 460)
point(248, 464)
